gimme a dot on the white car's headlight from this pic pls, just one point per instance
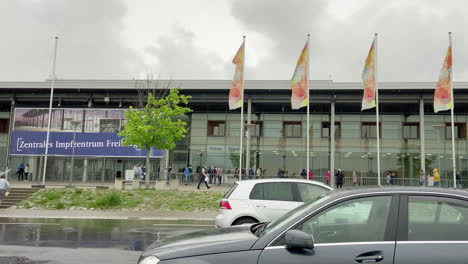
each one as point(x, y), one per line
point(149, 260)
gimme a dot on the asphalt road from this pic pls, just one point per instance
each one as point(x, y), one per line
point(71, 241)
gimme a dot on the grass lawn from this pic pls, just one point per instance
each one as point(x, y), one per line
point(141, 199)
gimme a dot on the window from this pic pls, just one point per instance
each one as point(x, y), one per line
point(460, 130)
point(309, 192)
point(410, 130)
point(216, 128)
point(326, 129)
point(292, 129)
point(256, 128)
point(3, 125)
point(368, 130)
point(437, 219)
point(276, 191)
point(358, 220)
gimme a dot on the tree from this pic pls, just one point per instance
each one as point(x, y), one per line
point(157, 124)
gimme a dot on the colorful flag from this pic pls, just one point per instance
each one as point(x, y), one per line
point(236, 94)
point(299, 81)
point(368, 78)
point(443, 91)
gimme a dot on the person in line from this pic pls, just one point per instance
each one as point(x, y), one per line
point(203, 179)
point(135, 172)
point(355, 178)
point(186, 175)
point(339, 179)
point(304, 174)
point(311, 175)
point(328, 177)
point(436, 175)
point(422, 177)
point(4, 187)
point(20, 172)
point(259, 173)
point(220, 175)
point(26, 172)
point(388, 178)
point(210, 174)
point(251, 173)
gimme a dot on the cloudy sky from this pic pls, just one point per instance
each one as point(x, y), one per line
point(196, 39)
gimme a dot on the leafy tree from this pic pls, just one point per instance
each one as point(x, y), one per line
point(157, 124)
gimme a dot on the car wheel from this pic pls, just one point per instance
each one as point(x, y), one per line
point(245, 220)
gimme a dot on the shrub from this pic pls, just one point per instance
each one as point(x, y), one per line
point(110, 199)
point(59, 206)
point(52, 195)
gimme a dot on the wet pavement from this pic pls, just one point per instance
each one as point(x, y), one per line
point(65, 240)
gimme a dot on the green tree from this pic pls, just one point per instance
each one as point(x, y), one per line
point(157, 124)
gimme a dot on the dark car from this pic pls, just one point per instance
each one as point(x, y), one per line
point(384, 225)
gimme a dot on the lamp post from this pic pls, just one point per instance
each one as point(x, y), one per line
point(74, 123)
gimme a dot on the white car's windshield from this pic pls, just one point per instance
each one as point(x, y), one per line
point(291, 214)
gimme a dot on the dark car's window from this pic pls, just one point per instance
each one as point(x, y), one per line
point(276, 191)
point(310, 192)
point(357, 220)
point(437, 219)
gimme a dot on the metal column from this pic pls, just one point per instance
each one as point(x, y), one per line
point(247, 141)
point(332, 143)
point(421, 135)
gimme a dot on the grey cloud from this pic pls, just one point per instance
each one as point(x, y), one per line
point(90, 45)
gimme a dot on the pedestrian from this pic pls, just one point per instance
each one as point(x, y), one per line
point(388, 177)
point(304, 174)
point(136, 175)
point(311, 175)
point(210, 174)
point(251, 173)
point(26, 172)
point(140, 173)
point(203, 179)
point(20, 172)
point(220, 175)
point(339, 179)
point(259, 173)
point(355, 178)
point(422, 177)
point(328, 177)
point(436, 175)
point(186, 175)
point(459, 181)
point(4, 188)
point(143, 172)
point(393, 178)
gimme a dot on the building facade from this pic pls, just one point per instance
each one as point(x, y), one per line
point(412, 136)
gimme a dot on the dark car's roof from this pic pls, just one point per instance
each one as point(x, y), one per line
point(394, 190)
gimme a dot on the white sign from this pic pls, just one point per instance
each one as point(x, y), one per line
point(129, 174)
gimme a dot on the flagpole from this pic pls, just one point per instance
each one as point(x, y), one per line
point(377, 112)
point(308, 105)
point(52, 83)
point(242, 116)
point(454, 162)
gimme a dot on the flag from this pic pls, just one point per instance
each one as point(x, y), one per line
point(236, 94)
point(443, 92)
point(368, 78)
point(299, 81)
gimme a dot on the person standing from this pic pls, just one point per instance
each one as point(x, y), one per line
point(304, 174)
point(20, 172)
point(355, 178)
point(328, 177)
point(388, 177)
point(186, 175)
point(422, 177)
point(203, 179)
point(220, 175)
point(436, 176)
point(4, 187)
point(251, 173)
point(339, 179)
point(311, 175)
point(26, 172)
point(210, 175)
point(459, 181)
point(259, 173)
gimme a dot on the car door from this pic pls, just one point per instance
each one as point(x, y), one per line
point(358, 230)
point(273, 199)
point(432, 229)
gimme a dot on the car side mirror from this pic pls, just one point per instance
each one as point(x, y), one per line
point(298, 239)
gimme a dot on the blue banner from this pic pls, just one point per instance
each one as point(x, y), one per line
point(86, 144)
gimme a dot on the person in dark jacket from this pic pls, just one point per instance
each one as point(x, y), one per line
point(304, 174)
point(339, 179)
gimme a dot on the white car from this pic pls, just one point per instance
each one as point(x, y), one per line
point(265, 200)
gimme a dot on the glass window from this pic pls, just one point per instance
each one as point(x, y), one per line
point(309, 192)
point(216, 128)
point(292, 128)
point(358, 220)
point(435, 219)
point(256, 128)
point(368, 130)
point(459, 131)
point(4, 125)
point(410, 130)
point(326, 129)
point(276, 191)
